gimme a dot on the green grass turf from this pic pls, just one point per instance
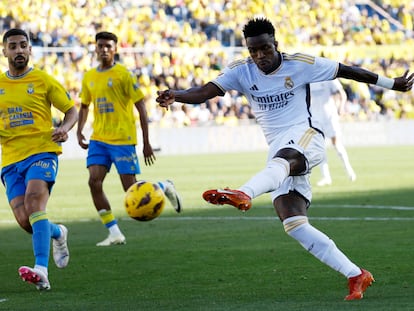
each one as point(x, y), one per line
point(217, 258)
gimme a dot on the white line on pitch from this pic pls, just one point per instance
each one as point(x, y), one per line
point(399, 208)
point(348, 206)
point(237, 218)
point(266, 218)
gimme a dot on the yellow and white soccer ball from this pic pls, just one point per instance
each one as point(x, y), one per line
point(144, 200)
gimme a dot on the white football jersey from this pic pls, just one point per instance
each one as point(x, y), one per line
point(282, 98)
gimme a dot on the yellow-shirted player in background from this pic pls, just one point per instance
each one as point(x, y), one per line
point(113, 91)
point(30, 148)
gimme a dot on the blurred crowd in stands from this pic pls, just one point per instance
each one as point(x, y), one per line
point(180, 43)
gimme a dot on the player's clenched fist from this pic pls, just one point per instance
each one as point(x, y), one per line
point(165, 98)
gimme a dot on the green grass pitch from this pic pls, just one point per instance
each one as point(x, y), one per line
point(216, 257)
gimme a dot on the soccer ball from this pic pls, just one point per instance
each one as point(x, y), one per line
point(144, 201)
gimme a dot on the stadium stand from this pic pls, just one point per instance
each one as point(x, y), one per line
point(193, 40)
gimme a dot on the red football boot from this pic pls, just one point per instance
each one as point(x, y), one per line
point(358, 285)
point(236, 198)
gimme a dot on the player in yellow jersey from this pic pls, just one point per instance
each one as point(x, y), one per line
point(113, 91)
point(30, 148)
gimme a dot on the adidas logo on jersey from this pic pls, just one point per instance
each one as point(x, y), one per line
point(254, 88)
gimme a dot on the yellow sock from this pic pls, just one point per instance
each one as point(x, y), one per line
point(107, 218)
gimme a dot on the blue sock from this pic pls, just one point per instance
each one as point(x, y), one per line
point(40, 238)
point(54, 230)
point(160, 183)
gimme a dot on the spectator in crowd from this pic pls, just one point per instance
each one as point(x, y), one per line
point(158, 32)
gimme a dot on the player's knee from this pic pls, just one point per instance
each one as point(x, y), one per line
point(95, 183)
point(280, 164)
point(298, 164)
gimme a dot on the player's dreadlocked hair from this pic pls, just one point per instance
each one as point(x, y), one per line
point(106, 36)
point(258, 26)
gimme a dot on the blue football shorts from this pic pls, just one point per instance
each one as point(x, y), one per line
point(124, 157)
point(43, 166)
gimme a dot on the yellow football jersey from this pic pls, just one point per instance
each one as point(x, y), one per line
point(26, 118)
point(113, 93)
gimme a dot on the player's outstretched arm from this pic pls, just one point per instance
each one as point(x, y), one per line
point(194, 95)
point(403, 83)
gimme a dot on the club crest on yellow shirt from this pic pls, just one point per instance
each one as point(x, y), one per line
point(30, 88)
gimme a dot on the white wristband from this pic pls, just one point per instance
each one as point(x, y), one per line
point(388, 83)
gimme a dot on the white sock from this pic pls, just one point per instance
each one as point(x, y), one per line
point(319, 245)
point(268, 179)
point(114, 230)
point(42, 269)
point(108, 217)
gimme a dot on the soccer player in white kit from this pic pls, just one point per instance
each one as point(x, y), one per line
point(276, 85)
point(326, 98)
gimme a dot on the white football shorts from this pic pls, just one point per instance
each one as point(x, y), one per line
point(306, 140)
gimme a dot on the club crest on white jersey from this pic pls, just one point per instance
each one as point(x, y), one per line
point(282, 98)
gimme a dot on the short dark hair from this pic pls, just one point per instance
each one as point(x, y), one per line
point(106, 36)
point(258, 26)
point(15, 32)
